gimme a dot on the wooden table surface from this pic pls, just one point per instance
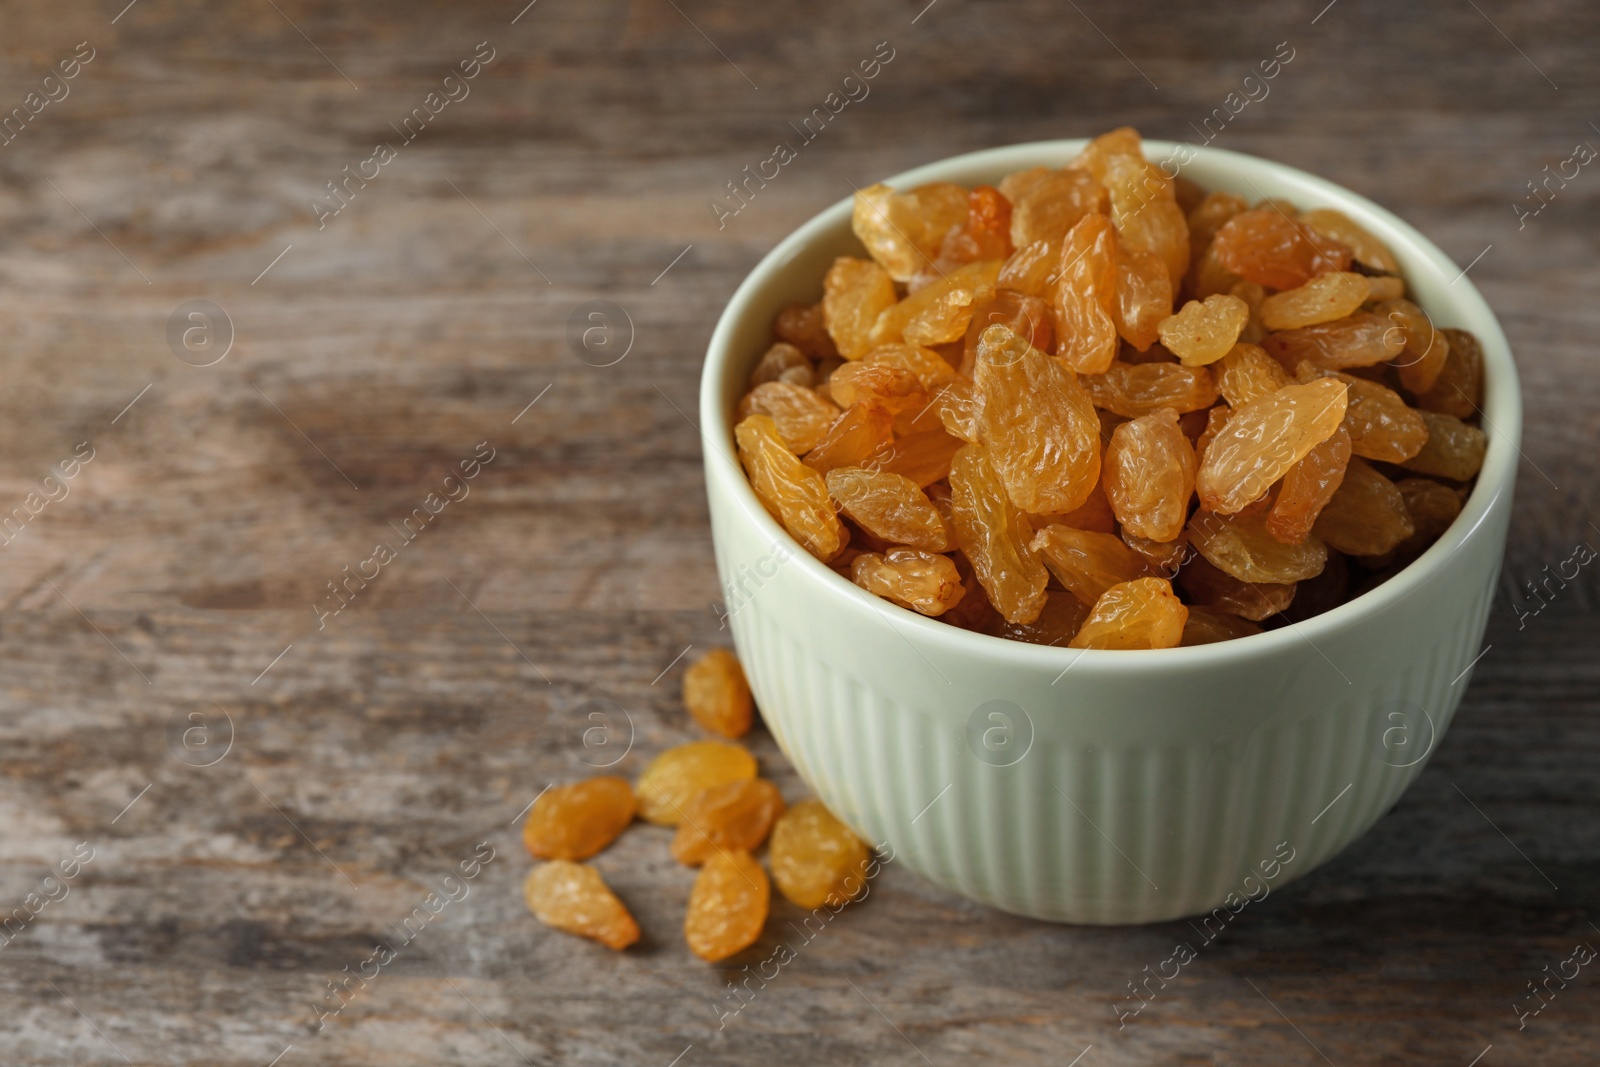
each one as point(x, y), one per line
point(263, 790)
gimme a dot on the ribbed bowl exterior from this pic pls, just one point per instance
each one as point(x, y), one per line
point(1104, 787)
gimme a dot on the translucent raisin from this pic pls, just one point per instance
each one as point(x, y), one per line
point(1263, 439)
point(816, 859)
point(1242, 546)
point(1086, 296)
point(1063, 616)
point(1204, 332)
point(1048, 203)
point(1205, 627)
point(1358, 340)
point(986, 234)
point(783, 363)
point(994, 533)
point(1322, 299)
point(932, 370)
point(1145, 210)
point(1038, 424)
point(1144, 296)
point(963, 284)
point(1307, 488)
point(800, 415)
point(862, 436)
point(727, 906)
point(717, 695)
point(1364, 247)
point(1247, 372)
point(1142, 613)
point(1367, 516)
point(1427, 350)
point(805, 327)
point(1209, 587)
point(794, 493)
point(732, 817)
point(1253, 296)
point(1454, 449)
point(889, 506)
point(1026, 316)
point(675, 776)
point(1149, 475)
point(854, 293)
point(1094, 514)
point(904, 231)
point(1382, 287)
point(1263, 246)
point(1164, 557)
point(574, 898)
point(1432, 507)
point(923, 457)
point(1382, 425)
point(1458, 390)
point(925, 582)
point(1207, 217)
point(893, 388)
point(1032, 269)
point(1088, 563)
point(1135, 389)
point(573, 822)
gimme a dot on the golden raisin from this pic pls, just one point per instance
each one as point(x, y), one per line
point(1432, 507)
point(717, 695)
point(854, 293)
point(1149, 475)
point(1454, 449)
point(1263, 439)
point(794, 493)
point(994, 534)
point(727, 906)
point(1142, 613)
point(1367, 516)
point(904, 231)
point(1243, 546)
point(1427, 350)
point(1204, 627)
point(987, 232)
point(573, 822)
point(1038, 424)
point(816, 859)
point(1057, 624)
point(890, 507)
point(1048, 203)
point(1088, 563)
point(805, 327)
point(732, 817)
point(1264, 246)
point(931, 370)
point(936, 304)
point(1322, 299)
point(1358, 340)
point(675, 776)
point(783, 363)
point(1209, 587)
point(1247, 372)
point(574, 898)
point(1135, 389)
point(1086, 296)
point(1307, 487)
point(923, 457)
point(1364, 247)
point(1144, 296)
point(1458, 390)
point(1203, 333)
point(801, 416)
point(925, 582)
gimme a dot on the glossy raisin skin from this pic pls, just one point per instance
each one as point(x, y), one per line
point(574, 898)
point(727, 906)
point(816, 859)
point(573, 822)
point(717, 695)
point(732, 817)
point(676, 775)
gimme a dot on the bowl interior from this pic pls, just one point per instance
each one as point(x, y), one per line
point(792, 273)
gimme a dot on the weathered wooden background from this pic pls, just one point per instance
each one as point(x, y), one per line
point(173, 586)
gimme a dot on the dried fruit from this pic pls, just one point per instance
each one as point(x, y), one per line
point(994, 533)
point(1458, 390)
point(1057, 624)
point(1454, 449)
point(1307, 488)
point(1135, 389)
point(733, 817)
point(801, 416)
point(931, 370)
point(1164, 557)
point(1088, 563)
point(854, 293)
point(794, 493)
point(1367, 516)
point(1263, 439)
point(1086, 296)
point(1265, 246)
point(1145, 210)
point(1037, 423)
point(1203, 333)
point(1247, 372)
point(1242, 546)
point(1364, 248)
point(574, 898)
point(805, 327)
point(717, 695)
point(1432, 507)
point(1322, 299)
point(1384, 287)
point(1209, 587)
point(1149, 475)
point(904, 231)
point(1032, 269)
point(1026, 316)
point(922, 581)
point(1381, 425)
point(783, 363)
point(923, 457)
point(1045, 204)
point(1142, 613)
point(1205, 627)
point(675, 776)
point(1144, 296)
point(890, 507)
point(573, 822)
point(1427, 350)
point(987, 232)
point(727, 906)
point(1207, 218)
point(941, 307)
point(816, 859)
point(861, 437)
point(1358, 340)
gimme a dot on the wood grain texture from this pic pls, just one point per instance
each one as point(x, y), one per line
point(377, 752)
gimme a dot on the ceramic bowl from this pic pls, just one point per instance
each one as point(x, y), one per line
point(1104, 786)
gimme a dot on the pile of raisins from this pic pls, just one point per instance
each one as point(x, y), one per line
point(709, 791)
point(1000, 419)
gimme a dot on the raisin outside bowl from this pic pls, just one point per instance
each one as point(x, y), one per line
point(1105, 786)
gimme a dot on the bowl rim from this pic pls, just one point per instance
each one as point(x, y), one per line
point(1502, 397)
